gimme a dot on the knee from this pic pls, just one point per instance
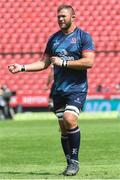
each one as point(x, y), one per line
point(70, 120)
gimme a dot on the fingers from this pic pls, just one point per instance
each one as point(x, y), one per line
point(11, 68)
point(14, 68)
point(56, 60)
point(52, 59)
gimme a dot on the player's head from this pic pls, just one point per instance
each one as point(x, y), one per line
point(66, 16)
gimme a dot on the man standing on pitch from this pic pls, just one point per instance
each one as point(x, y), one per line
point(71, 52)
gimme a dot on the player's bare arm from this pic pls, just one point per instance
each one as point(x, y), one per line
point(85, 62)
point(36, 66)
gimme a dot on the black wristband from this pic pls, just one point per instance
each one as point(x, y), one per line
point(64, 64)
point(22, 68)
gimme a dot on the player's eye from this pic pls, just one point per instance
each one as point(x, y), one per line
point(62, 16)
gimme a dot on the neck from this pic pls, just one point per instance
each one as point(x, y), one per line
point(70, 30)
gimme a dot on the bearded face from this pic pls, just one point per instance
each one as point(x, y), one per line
point(65, 19)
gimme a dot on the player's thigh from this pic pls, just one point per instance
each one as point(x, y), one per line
point(58, 103)
point(59, 108)
point(75, 102)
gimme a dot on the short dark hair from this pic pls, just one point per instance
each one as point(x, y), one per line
point(64, 6)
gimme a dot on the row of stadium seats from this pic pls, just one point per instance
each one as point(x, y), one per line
point(26, 26)
point(36, 48)
point(104, 72)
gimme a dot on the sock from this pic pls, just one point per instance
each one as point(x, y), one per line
point(74, 142)
point(66, 147)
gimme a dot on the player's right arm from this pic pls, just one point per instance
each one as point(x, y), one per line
point(36, 66)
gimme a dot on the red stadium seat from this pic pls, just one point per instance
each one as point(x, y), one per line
point(25, 28)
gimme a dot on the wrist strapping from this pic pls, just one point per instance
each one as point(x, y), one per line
point(22, 68)
point(64, 64)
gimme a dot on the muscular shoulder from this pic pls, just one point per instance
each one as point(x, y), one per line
point(86, 40)
point(50, 42)
point(83, 34)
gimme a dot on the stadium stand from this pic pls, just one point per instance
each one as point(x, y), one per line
point(26, 26)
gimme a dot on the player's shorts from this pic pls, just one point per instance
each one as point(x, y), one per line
point(72, 103)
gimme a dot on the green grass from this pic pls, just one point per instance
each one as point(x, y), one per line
point(30, 147)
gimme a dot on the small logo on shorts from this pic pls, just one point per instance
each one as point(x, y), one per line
point(77, 100)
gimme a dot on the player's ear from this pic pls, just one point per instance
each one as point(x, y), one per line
point(73, 16)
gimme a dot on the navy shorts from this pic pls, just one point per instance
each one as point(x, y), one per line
point(76, 99)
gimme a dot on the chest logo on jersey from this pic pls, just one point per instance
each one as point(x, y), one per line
point(73, 40)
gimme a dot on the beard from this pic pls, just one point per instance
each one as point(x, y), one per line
point(67, 26)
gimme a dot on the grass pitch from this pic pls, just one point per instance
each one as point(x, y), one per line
point(30, 147)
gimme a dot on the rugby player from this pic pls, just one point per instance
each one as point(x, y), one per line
point(71, 52)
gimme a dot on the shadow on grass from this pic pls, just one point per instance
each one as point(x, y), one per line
point(29, 173)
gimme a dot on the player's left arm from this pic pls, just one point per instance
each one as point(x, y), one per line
point(88, 54)
point(87, 59)
point(85, 62)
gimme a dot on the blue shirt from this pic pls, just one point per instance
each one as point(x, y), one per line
point(69, 48)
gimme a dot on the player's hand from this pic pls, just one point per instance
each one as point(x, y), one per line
point(56, 61)
point(14, 68)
